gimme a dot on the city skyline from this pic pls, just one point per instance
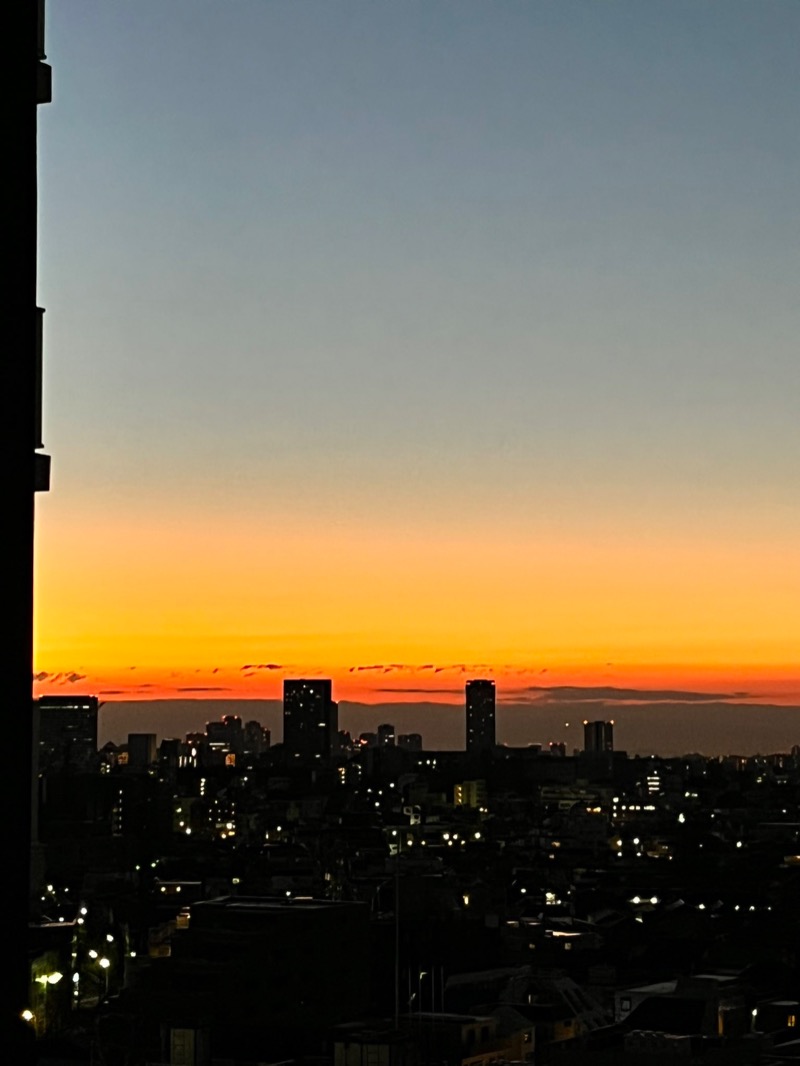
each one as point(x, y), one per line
point(431, 365)
point(668, 729)
point(468, 341)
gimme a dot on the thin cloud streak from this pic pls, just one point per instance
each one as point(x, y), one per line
point(610, 694)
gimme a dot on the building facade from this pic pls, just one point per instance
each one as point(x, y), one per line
point(310, 718)
point(598, 736)
point(480, 707)
point(67, 732)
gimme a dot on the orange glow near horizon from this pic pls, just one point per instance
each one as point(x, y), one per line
point(407, 685)
point(158, 609)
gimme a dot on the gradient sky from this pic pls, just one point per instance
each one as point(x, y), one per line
point(456, 335)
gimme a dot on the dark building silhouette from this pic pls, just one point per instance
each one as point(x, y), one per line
point(264, 971)
point(256, 738)
point(27, 471)
point(142, 752)
point(598, 736)
point(229, 732)
point(410, 741)
point(310, 718)
point(480, 696)
point(386, 735)
point(67, 733)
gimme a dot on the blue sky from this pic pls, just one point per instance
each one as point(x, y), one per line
point(320, 232)
point(421, 266)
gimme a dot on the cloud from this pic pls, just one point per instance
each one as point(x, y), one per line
point(111, 692)
point(385, 668)
point(203, 688)
point(41, 676)
point(73, 677)
point(590, 693)
point(258, 666)
point(424, 691)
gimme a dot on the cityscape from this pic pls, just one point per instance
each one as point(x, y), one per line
point(402, 661)
point(227, 896)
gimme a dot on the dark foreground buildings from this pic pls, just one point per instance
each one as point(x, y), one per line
point(251, 976)
point(220, 901)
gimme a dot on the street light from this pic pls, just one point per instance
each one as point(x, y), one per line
point(105, 964)
point(41, 1020)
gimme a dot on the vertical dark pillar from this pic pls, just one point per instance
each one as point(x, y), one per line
point(24, 471)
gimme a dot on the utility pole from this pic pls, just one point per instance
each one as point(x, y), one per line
point(397, 931)
point(27, 470)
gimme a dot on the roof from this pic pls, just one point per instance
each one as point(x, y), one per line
point(660, 988)
point(668, 1014)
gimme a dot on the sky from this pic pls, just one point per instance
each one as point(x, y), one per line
point(401, 341)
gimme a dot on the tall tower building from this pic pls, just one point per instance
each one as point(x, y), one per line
point(310, 718)
point(598, 736)
point(480, 700)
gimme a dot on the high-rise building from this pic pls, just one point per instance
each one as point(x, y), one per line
point(598, 736)
point(480, 696)
point(67, 732)
point(256, 738)
point(386, 735)
point(310, 718)
point(410, 741)
point(142, 752)
point(228, 731)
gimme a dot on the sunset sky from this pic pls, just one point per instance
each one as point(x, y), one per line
point(408, 340)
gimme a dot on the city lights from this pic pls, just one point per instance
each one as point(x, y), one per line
point(423, 394)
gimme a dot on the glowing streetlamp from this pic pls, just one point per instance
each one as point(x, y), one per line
point(105, 964)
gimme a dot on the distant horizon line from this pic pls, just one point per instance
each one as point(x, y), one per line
point(755, 702)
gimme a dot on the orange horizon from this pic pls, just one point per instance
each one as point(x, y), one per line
point(176, 605)
point(401, 683)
